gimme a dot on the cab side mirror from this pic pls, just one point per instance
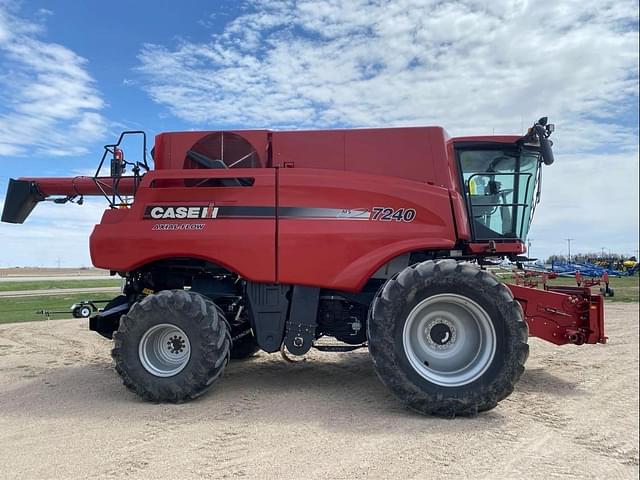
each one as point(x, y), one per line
point(545, 144)
point(542, 129)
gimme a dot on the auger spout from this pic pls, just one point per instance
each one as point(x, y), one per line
point(24, 194)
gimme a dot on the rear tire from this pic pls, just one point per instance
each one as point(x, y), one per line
point(481, 327)
point(171, 346)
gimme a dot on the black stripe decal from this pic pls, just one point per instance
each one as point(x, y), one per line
point(209, 212)
point(246, 212)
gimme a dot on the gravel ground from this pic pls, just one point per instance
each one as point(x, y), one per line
point(64, 414)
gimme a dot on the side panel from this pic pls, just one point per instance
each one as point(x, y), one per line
point(330, 236)
point(412, 153)
point(309, 149)
point(239, 234)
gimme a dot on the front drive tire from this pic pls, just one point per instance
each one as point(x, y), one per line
point(447, 338)
point(171, 346)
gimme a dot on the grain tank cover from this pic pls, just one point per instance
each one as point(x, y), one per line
point(413, 153)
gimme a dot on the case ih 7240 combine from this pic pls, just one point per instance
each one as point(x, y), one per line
point(245, 240)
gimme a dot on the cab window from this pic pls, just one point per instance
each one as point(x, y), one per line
point(499, 185)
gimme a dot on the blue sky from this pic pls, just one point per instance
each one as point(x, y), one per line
point(74, 74)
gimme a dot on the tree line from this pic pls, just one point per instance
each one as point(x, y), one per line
point(612, 260)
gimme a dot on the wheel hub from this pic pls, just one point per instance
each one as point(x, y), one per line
point(164, 350)
point(440, 333)
point(176, 344)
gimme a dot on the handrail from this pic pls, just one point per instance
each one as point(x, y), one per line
point(115, 181)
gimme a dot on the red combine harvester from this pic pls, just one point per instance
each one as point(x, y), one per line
point(240, 241)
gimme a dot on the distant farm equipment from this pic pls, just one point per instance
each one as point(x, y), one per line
point(82, 309)
point(593, 277)
point(565, 269)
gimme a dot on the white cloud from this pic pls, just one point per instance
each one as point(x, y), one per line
point(48, 101)
point(466, 65)
point(472, 66)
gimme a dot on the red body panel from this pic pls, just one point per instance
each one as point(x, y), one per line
point(124, 240)
point(314, 149)
point(343, 253)
point(412, 153)
point(338, 253)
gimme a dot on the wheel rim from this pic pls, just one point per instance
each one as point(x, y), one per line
point(85, 312)
point(164, 350)
point(449, 340)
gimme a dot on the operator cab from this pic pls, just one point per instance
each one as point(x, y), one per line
point(501, 183)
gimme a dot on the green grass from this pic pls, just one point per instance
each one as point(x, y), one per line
point(24, 309)
point(48, 284)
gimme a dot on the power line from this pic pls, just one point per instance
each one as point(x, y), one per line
point(569, 244)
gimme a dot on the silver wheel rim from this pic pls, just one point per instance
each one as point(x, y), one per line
point(85, 312)
point(449, 340)
point(164, 350)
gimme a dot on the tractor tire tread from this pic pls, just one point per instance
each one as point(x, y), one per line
point(383, 316)
point(213, 340)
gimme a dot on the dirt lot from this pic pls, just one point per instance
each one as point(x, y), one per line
point(64, 414)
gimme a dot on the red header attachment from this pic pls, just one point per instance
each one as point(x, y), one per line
point(562, 315)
